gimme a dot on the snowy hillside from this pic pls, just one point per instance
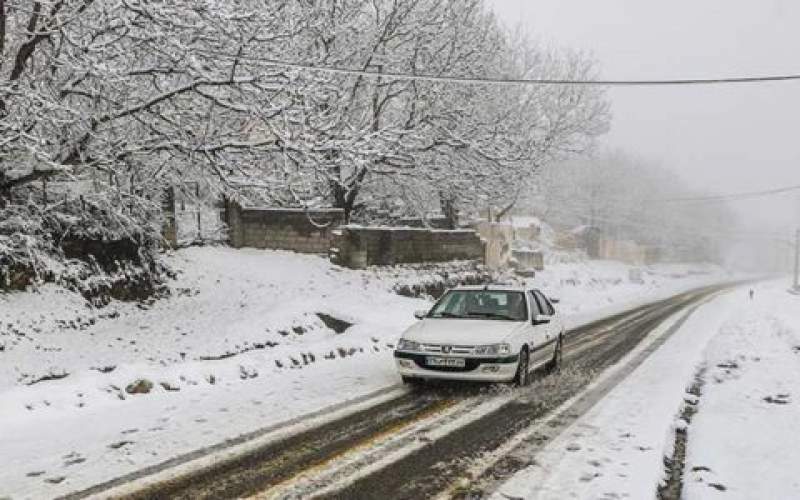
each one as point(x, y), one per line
point(248, 339)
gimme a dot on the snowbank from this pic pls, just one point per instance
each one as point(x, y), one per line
point(743, 441)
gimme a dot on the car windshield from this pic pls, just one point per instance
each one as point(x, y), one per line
point(484, 304)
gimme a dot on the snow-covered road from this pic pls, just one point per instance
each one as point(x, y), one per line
point(238, 347)
point(420, 443)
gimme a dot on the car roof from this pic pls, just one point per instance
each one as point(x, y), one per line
point(493, 287)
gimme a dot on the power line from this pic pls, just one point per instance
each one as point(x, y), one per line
point(732, 196)
point(338, 70)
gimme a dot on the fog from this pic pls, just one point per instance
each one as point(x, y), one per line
point(719, 139)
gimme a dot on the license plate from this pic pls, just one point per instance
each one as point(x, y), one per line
point(449, 362)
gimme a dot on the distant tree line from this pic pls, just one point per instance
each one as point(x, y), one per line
point(632, 198)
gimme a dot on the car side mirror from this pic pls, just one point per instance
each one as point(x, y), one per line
point(420, 314)
point(554, 301)
point(540, 319)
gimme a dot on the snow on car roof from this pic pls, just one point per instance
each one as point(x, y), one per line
point(494, 287)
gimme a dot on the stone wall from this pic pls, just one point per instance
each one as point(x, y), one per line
point(358, 247)
point(431, 222)
point(299, 230)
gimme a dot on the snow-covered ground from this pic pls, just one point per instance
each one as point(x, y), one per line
point(743, 442)
point(243, 343)
point(744, 357)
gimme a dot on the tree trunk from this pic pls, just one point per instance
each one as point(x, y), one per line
point(505, 210)
point(447, 201)
point(345, 194)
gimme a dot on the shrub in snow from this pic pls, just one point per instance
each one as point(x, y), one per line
point(168, 386)
point(93, 245)
point(141, 386)
point(438, 277)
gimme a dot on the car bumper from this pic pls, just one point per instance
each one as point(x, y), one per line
point(500, 369)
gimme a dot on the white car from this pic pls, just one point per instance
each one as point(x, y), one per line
point(482, 333)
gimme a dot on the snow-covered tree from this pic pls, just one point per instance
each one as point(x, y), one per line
point(372, 138)
point(104, 103)
point(116, 93)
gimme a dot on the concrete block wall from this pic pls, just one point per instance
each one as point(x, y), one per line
point(358, 247)
point(298, 230)
point(431, 222)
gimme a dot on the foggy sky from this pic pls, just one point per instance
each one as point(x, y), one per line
point(719, 138)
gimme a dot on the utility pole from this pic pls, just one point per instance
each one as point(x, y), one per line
point(797, 261)
point(797, 251)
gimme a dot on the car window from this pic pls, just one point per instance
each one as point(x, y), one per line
point(452, 304)
point(488, 304)
point(536, 310)
point(548, 305)
point(544, 304)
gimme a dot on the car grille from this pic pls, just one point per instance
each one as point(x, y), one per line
point(454, 349)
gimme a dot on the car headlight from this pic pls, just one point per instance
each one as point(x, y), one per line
point(492, 350)
point(407, 345)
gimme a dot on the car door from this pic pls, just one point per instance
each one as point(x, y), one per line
point(551, 329)
point(541, 352)
point(557, 322)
